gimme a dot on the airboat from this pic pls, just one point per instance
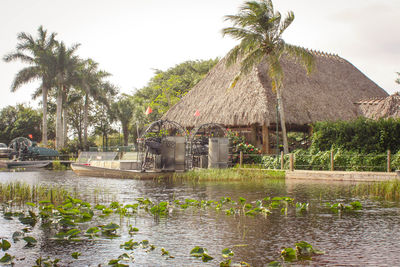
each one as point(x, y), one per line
point(23, 153)
point(164, 148)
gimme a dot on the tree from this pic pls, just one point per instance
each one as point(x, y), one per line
point(19, 120)
point(65, 64)
point(259, 29)
point(91, 85)
point(36, 53)
point(398, 79)
point(166, 88)
point(123, 110)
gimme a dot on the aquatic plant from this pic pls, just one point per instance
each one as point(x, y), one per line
point(58, 166)
point(387, 190)
point(202, 253)
point(229, 174)
point(7, 259)
point(70, 221)
point(337, 207)
point(302, 251)
point(19, 193)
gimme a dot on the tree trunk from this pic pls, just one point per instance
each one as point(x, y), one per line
point(59, 125)
point(65, 125)
point(125, 131)
point(85, 123)
point(283, 120)
point(44, 130)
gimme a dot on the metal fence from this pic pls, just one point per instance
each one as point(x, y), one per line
point(329, 161)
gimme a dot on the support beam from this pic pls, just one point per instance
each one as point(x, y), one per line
point(266, 149)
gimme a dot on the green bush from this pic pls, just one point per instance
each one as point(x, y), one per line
point(361, 135)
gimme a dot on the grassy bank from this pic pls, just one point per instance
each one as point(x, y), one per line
point(229, 174)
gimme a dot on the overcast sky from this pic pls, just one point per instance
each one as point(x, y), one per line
point(131, 38)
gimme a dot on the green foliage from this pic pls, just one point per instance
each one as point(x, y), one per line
point(361, 135)
point(239, 144)
point(19, 120)
point(166, 88)
point(302, 251)
point(4, 245)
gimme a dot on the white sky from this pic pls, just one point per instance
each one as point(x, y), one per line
point(130, 38)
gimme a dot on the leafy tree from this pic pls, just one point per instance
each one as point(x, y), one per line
point(398, 79)
point(36, 53)
point(259, 29)
point(166, 88)
point(19, 120)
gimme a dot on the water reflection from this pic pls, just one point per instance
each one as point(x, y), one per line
point(362, 238)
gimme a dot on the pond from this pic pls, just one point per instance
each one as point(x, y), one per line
point(366, 237)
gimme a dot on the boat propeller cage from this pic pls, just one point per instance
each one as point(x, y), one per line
point(166, 145)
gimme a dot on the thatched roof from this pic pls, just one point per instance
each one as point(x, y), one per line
point(376, 108)
point(329, 93)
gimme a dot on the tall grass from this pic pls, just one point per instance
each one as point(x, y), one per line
point(387, 190)
point(20, 193)
point(229, 174)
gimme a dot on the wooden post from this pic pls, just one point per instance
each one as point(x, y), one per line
point(241, 159)
point(265, 137)
point(282, 163)
point(291, 162)
point(253, 136)
point(332, 166)
point(388, 161)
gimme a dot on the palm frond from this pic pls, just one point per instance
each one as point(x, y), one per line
point(286, 23)
point(233, 56)
point(252, 59)
point(302, 55)
point(25, 75)
point(18, 56)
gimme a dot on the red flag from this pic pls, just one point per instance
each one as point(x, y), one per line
point(197, 113)
point(148, 110)
point(30, 136)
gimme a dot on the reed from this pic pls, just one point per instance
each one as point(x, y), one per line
point(387, 190)
point(20, 193)
point(229, 174)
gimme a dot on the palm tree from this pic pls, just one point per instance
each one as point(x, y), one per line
point(259, 29)
point(123, 110)
point(91, 84)
point(65, 64)
point(36, 53)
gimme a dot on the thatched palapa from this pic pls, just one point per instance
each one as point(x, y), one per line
point(328, 93)
point(377, 108)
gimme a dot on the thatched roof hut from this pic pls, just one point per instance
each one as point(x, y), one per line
point(328, 93)
point(377, 108)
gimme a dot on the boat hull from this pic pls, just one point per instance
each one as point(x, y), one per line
point(87, 170)
point(24, 164)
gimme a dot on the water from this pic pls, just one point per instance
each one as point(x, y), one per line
point(368, 237)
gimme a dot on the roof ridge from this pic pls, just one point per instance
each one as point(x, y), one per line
point(324, 54)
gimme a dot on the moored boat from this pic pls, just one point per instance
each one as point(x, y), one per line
point(88, 170)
